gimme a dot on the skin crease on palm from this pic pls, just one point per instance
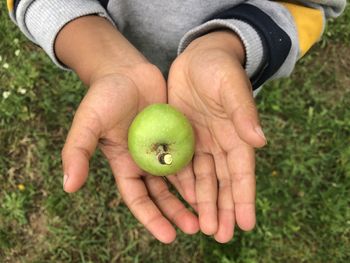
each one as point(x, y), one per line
point(208, 84)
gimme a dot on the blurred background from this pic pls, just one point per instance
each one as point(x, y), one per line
point(303, 174)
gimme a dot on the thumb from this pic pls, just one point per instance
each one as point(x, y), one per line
point(238, 102)
point(81, 142)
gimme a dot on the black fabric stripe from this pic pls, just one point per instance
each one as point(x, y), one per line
point(104, 3)
point(15, 6)
point(276, 42)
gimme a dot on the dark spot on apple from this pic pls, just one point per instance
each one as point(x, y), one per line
point(160, 147)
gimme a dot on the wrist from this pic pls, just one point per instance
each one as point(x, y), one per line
point(92, 47)
point(224, 40)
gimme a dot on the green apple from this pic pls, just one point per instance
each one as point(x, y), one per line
point(161, 140)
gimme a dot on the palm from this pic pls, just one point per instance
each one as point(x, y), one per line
point(213, 127)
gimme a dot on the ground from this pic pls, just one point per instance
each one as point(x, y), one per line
point(303, 175)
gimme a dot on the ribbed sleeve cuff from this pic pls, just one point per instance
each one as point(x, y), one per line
point(250, 38)
point(41, 20)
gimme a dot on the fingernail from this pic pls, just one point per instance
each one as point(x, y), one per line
point(260, 132)
point(65, 179)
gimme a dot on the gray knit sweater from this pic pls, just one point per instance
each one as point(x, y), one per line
point(274, 34)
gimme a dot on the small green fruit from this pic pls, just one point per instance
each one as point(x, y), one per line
point(161, 140)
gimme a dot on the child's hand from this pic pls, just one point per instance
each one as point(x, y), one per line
point(208, 83)
point(121, 84)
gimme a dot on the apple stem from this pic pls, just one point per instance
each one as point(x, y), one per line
point(163, 156)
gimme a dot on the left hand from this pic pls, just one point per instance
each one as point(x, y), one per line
point(207, 82)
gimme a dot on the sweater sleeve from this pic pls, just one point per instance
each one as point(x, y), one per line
point(42, 20)
point(275, 34)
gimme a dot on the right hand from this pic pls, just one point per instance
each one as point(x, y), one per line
point(119, 89)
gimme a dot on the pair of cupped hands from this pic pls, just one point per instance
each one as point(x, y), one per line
point(208, 83)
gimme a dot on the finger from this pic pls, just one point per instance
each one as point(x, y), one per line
point(206, 192)
point(237, 99)
point(173, 179)
point(175, 182)
point(241, 163)
point(187, 182)
point(171, 207)
point(225, 200)
point(134, 193)
point(80, 144)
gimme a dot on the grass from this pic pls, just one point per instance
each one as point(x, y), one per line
point(303, 175)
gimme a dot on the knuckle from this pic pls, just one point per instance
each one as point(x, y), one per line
point(246, 107)
point(249, 105)
point(206, 181)
point(241, 177)
point(205, 202)
point(177, 214)
point(64, 152)
point(139, 201)
point(82, 150)
point(162, 195)
point(186, 181)
point(203, 176)
point(203, 164)
point(224, 183)
point(153, 219)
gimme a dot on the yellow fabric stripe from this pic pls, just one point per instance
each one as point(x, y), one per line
point(309, 23)
point(10, 5)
